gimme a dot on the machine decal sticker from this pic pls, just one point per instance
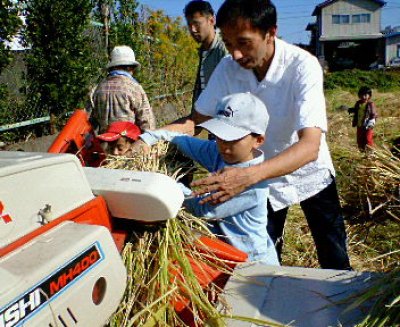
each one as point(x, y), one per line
point(28, 304)
point(5, 217)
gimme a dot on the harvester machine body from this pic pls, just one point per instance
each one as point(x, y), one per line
point(59, 263)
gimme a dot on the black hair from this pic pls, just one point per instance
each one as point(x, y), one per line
point(364, 90)
point(260, 13)
point(194, 6)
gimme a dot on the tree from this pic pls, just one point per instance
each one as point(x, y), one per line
point(59, 59)
point(10, 23)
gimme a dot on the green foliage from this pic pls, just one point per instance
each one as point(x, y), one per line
point(59, 61)
point(161, 44)
point(382, 80)
point(9, 25)
point(68, 54)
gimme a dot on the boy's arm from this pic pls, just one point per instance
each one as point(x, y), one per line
point(242, 202)
point(184, 125)
point(202, 151)
point(373, 112)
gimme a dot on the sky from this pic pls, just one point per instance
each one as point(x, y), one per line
point(293, 15)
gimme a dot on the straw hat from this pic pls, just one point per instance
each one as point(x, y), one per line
point(122, 55)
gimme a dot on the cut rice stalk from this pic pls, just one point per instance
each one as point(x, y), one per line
point(165, 268)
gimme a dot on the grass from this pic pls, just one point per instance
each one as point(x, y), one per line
point(369, 188)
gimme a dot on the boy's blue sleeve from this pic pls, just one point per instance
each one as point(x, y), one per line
point(242, 202)
point(203, 151)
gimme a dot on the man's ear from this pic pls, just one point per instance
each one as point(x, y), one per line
point(260, 139)
point(212, 20)
point(273, 31)
point(270, 35)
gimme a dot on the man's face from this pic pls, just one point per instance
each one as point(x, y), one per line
point(120, 147)
point(249, 47)
point(200, 26)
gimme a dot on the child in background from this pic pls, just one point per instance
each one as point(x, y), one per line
point(239, 128)
point(364, 118)
point(120, 137)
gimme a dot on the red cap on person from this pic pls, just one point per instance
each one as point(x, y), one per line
point(120, 128)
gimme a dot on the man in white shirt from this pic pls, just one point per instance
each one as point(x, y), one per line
point(298, 165)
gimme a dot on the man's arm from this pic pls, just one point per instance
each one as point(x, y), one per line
point(232, 181)
point(186, 125)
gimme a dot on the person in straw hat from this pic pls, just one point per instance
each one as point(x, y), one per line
point(119, 97)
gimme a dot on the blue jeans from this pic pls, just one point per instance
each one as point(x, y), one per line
point(325, 219)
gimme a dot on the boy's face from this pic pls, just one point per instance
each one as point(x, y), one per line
point(241, 150)
point(364, 97)
point(200, 26)
point(120, 147)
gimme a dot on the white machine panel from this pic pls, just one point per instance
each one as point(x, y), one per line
point(30, 183)
point(294, 296)
point(136, 195)
point(51, 280)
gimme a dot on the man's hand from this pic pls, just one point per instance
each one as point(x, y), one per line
point(223, 185)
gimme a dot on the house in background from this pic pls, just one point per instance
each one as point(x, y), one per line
point(347, 33)
point(392, 53)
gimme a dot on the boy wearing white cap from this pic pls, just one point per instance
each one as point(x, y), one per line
point(239, 128)
point(119, 97)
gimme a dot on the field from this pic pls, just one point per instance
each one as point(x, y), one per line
point(368, 183)
point(372, 213)
point(371, 207)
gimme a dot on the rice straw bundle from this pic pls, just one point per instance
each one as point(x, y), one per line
point(384, 181)
point(159, 261)
point(386, 294)
point(384, 184)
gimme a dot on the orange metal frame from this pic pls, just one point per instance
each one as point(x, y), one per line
point(78, 137)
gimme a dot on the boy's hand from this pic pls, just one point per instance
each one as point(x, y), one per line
point(370, 124)
point(139, 145)
point(222, 185)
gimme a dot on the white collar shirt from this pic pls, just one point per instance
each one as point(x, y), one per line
point(292, 91)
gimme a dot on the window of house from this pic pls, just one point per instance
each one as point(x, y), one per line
point(340, 19)
point(361, 18)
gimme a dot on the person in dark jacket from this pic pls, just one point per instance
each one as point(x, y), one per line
point(200, 20)
point(364, 118)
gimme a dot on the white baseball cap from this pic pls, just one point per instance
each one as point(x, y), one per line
point(238, 115)
point(122, 55)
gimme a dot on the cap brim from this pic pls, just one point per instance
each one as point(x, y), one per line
point(109, 137)
point(224, 131)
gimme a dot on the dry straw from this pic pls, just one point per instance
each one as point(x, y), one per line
point(384, 171)
point(164, 262)
point(158, 261)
